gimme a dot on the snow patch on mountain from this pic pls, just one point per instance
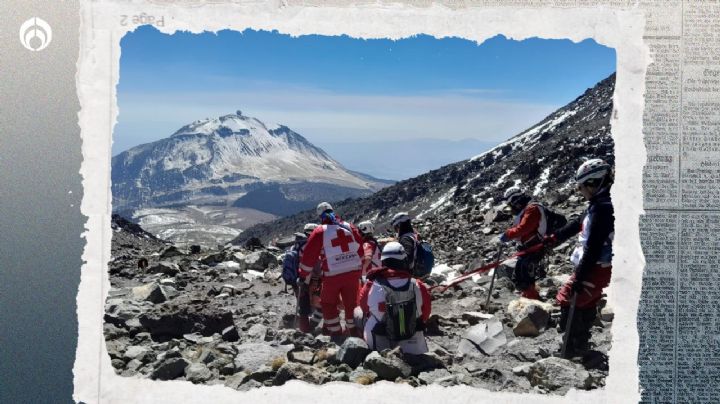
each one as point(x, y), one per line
point(531, 135)
point(544, 177)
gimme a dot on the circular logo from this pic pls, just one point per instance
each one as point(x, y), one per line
point(35, 34)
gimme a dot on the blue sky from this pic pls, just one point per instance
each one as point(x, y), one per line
point(341, 90)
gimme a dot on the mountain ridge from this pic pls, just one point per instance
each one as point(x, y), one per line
point(542, 158)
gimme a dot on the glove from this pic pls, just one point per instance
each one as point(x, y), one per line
point(503, 238)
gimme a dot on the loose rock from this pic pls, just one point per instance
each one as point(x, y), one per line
point(353, 352)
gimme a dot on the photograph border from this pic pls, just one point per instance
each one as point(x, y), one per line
point(104, 23)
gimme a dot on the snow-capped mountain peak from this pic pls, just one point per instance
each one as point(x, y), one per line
point(231, 123)
point(219, 160)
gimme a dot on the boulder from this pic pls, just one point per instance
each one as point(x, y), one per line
point(169, 252)
point(607, 314)
point(230, 334)
point(260, 260)
point(132, 368)
point(213, 259)
point(262, 374)
point(530, 316)
point(198, 373)
point(120, 313)
point(485, 337)
point(423, 362)
point(299, 371)
point(236, 380)
point(136, 352)
point(152, 292)
point(229, 267)
point(433, 375)
point(556, 373)
point(206, 321)
point(164, 267)
point(353, 352)
point(170, 369)
point(305, 357)
point(257, 332)
point(388, 368)
point(251, 357)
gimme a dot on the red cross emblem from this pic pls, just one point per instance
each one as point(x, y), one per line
point(342, 240)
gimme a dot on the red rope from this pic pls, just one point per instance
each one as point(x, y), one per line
point(486, 268)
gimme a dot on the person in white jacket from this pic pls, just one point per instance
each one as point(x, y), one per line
point(398, 319)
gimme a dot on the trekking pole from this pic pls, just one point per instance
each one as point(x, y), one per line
point(492, 280)
point(571, 314)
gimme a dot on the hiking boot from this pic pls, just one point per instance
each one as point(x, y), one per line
point(304, 324)
point(570, 353)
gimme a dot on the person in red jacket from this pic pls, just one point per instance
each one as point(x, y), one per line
point(341, 245)
point(394, 275)
point(371, 248)
point(528, 229)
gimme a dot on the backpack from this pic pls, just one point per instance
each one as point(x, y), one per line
point(554, 221)
point(424, 259)
point(400, 318)
point(291, 263)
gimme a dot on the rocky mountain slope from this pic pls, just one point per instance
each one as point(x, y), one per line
point(456, 199)
point(222, 316)
point(234, 165)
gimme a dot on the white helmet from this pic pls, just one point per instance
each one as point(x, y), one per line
point(308, 228)
point(323, 207)
point(400, 218)
point(593, 169)
point(393, 250)
point(366, 227)
point(513, 193)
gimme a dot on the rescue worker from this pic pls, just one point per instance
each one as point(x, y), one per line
point(395, 278)
point(371, 249)
point(308, 316)
point(592, 257)
point(528, 229)
point(341, 245)
point(406, 235)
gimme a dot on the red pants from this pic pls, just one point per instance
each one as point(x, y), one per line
point(333, 287)
point(598, 279)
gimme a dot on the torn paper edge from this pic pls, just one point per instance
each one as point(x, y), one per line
point(97, 77)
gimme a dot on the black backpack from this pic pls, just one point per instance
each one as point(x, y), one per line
point(554, 221)
point(400, 319)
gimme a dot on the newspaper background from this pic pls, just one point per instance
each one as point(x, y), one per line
point(678, 356)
